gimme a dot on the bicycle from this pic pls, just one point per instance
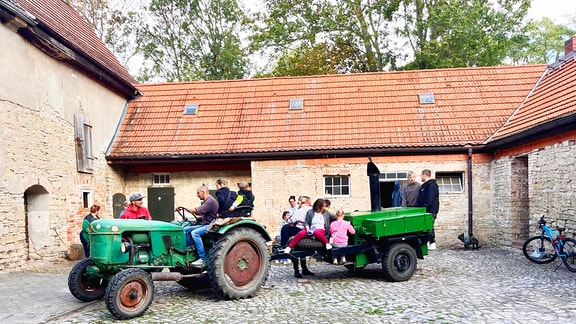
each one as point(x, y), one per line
point(549, 245)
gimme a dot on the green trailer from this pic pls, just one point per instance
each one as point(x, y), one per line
point(395, 237)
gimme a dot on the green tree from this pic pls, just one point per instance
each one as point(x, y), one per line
point(542, 42)
point(459, 33)
point(184, 40)
point(352, 35)
point(113, 23)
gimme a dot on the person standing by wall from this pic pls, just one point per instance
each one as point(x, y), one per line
point(135, 210)
point(124, 207)
point(429, 198)
point(411, 191)
point(397, 194)
point(84, 238)
point(292, 205)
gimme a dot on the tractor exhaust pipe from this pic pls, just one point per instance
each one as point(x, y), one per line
point(174, 276)
point(374, 176)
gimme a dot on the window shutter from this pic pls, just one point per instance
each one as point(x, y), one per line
point(83, 141)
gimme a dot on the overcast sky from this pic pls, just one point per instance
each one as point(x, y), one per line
point(557, 10)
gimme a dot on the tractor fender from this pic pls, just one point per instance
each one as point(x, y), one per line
point(245, 223)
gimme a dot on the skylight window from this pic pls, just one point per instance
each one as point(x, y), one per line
point(190, 109)
point(296, 104)
point(426, 98)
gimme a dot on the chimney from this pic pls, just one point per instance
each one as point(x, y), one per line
point(569, 45)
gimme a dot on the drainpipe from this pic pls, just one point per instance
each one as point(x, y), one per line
point(470, 193)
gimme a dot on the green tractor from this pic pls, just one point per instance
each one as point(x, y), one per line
point(128, 255)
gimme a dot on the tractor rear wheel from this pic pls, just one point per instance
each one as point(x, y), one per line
point(239, 263)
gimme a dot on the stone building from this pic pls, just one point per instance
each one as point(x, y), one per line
point(484, 132)
point(499, 140)
point(62, 94)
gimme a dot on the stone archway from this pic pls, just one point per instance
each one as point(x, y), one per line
point(36, 203)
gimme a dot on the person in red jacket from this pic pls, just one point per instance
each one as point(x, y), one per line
point(135, 209)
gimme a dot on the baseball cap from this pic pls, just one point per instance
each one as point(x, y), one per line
point(136, 196)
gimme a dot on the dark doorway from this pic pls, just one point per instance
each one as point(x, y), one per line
point(386, 189)
point(118, 204)
point(161, 203)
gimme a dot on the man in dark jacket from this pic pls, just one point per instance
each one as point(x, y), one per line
point(429, 198)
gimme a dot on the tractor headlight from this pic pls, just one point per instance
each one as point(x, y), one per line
point(125, 247)
point(115, 228)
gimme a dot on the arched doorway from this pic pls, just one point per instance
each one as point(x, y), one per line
point(117, 204)
point(36, 202)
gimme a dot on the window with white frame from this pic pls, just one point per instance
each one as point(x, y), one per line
point(160, 178)
point(450, 181)
point(337, 185)
point(87, 199)
point(388, 176)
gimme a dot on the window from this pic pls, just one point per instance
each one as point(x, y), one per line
point(426, 98)
point(160, 178)
point(449, 181)
point(387, 176)
point(190, 109)
point(296, 104)
point(87, 199)
point(337, 185)
point(83, 139)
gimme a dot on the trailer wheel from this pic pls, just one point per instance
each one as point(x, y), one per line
point(83, 286)
point(130, 293)
point(399, 264)
point(239, 263)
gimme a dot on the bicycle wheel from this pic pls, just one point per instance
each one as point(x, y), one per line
point(569, 249)
point(539, 249)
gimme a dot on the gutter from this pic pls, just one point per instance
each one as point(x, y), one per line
point(554, 127)
point(225, 158)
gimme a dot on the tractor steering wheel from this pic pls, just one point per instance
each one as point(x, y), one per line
point(182, 211)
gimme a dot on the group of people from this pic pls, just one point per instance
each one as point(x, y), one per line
point(224, 205)
point(315, 221)
point(133, 209)
point(422, 195)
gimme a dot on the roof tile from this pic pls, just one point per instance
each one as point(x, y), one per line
point(351, 111)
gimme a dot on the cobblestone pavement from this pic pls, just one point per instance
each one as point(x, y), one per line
point(450, 286)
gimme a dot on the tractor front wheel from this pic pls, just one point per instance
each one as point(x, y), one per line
point(130, 293)
point(84, 286)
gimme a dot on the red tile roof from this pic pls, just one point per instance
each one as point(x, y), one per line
point(553, 97)
point(71, 29)
point(351, 111)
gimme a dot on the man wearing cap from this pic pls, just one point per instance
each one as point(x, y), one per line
point(208, 210)
point(135, 209)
